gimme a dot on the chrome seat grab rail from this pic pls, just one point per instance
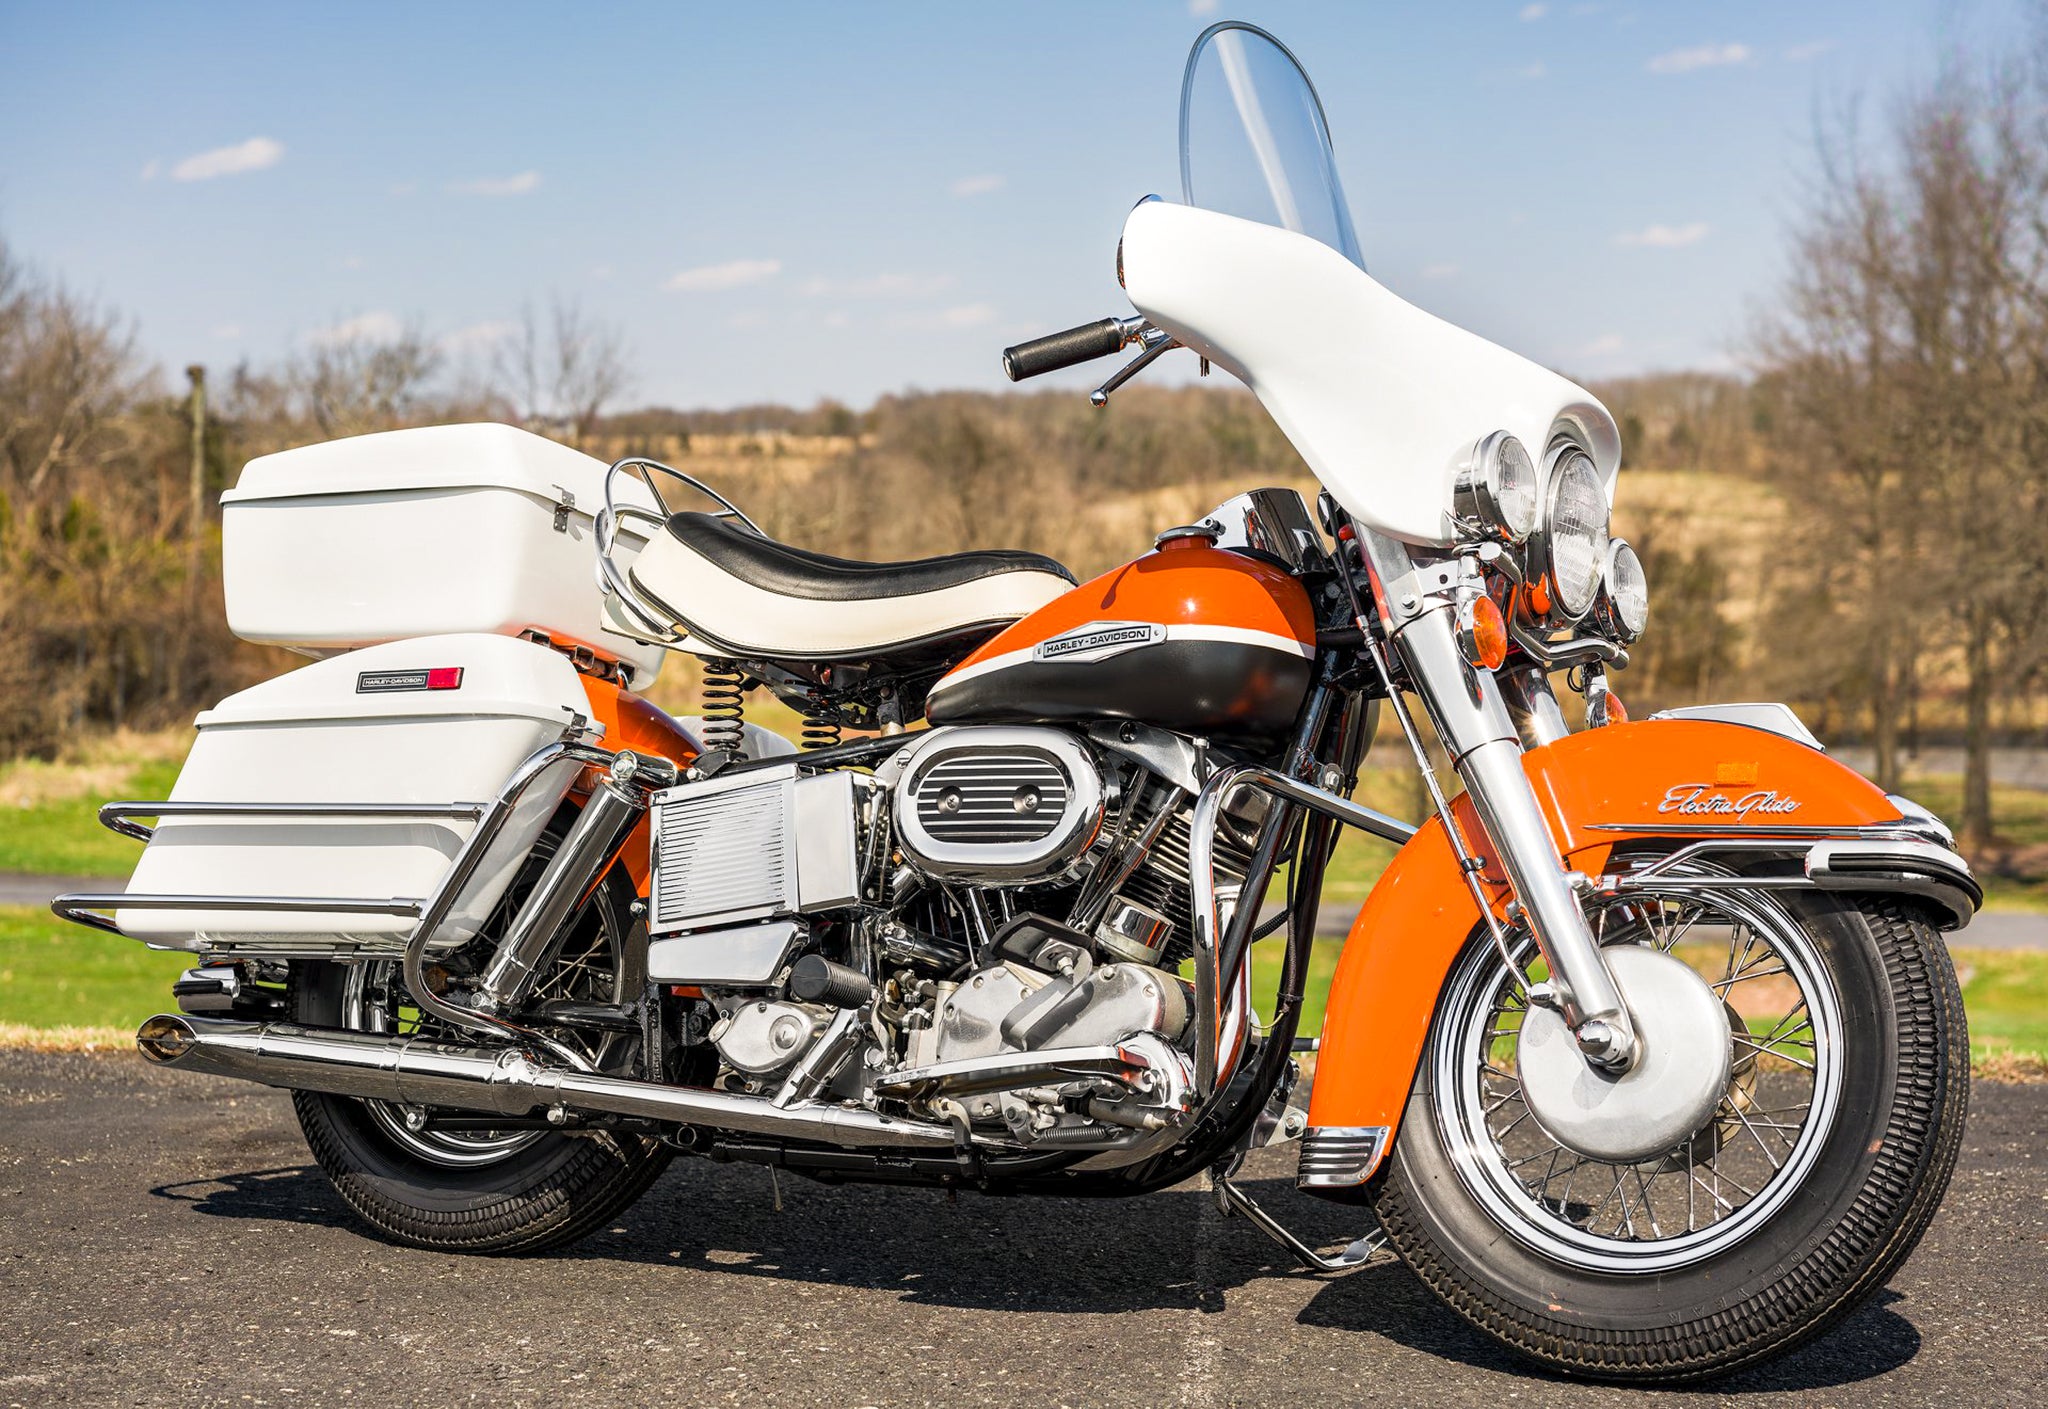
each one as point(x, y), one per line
point(1210, 981)
point(646, 616)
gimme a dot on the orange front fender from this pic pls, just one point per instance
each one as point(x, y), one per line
point(1657, 778)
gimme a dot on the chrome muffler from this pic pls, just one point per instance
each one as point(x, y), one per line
point(415, 1072)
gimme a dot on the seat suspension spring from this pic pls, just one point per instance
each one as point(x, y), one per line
point(725, 711)
point(821, 723)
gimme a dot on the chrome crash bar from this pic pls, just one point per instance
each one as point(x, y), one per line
point(1219, 1027)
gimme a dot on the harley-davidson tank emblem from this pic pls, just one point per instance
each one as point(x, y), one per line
point(1100, 640)
point(1703, 800)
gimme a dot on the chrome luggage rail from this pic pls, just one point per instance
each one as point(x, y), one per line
point(490, 818)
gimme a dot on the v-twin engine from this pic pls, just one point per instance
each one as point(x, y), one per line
point(984, 930)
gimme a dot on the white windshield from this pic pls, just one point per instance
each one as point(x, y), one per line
point(1254, 142)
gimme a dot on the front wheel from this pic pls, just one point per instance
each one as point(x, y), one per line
point(1794, 1200)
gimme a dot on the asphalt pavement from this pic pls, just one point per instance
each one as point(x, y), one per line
point(165, 1239)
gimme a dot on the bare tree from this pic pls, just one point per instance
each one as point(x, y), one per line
point(1909, 352)
point(354, 384)
point(561, 376)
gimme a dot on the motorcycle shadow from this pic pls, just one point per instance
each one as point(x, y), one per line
point(1165, 1251)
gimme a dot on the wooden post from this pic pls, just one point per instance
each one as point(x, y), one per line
point(196, 525)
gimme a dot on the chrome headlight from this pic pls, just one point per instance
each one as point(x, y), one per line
point(1574, 534)
point(1496, 490)
point(1623, 608)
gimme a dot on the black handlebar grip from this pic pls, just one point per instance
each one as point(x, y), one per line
point(1057, 350)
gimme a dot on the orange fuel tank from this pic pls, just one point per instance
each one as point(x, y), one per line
point(1191, 637)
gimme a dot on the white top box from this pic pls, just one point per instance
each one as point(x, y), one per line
point(438, 530)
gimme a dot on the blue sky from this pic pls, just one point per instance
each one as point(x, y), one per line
point(783, 202)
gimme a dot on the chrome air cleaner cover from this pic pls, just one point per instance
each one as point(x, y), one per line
point(997, 803)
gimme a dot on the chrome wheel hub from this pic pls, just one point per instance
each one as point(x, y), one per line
point(1679, 1077)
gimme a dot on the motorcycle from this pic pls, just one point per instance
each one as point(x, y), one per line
point(1645, 1052)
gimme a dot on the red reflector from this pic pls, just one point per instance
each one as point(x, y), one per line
point(447, 677)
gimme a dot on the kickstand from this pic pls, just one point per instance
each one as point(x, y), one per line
point(1232, 1199)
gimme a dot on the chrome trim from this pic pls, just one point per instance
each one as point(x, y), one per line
point(1472, 721)
point(1847, 860)
point(114, 816)
point(1771, 717)
point(466, 861)
point(417, 1072)
point(1532, 704)
point(1340, 1156)
point(1356, 1255)
point(616, 803)
point(1476, 497)
point(1606, 615)
point(1922, 868)
point(1275, 522)
point(1210, 980)
point(78, 908)
point(1011, 1071)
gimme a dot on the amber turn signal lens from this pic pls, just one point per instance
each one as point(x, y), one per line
point(1617, 712)
point(1486, 635)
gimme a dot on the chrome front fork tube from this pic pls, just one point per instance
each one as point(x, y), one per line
point(1473, 722)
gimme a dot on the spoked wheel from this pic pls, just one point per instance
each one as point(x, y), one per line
point(465, 1188)
point(1788, 1194)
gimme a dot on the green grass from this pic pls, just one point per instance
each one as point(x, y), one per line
point(63, 837)
point(54, 974)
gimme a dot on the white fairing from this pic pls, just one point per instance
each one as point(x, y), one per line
point(1382, 399)
point(324, 734)
point(423, 532)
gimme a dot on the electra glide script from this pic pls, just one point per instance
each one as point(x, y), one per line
point(1645, 1052)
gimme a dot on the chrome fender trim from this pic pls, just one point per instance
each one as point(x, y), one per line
point(1920, 868)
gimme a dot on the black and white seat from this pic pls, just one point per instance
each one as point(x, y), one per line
point(730, 590)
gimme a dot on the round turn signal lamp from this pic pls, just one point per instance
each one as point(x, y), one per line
point(1484, 634)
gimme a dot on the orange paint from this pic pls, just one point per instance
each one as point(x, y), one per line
point(1420, 915)
point(632, 723)
point(1193, 584)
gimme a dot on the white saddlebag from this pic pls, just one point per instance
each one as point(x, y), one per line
point(423, 532)
point(445, 719)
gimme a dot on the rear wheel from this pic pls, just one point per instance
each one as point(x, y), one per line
point(476, 1190)
point(1794, 1200)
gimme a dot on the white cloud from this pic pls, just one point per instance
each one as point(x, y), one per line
point(252, 155)
point(711, 278)
point(228, 332)
point(150, 169)
point(1528, 14)
point(1606, 345)
point(364, 327)
point(879, 286)
point(976, 185)
point(1439, 271)
point(1535, 70)
point(601, 272)
point(405, 188)
point(1201, 8)
point(1663, 237)
point(1700, 56)
point(478, 337)
point(1800, 53)
point(353, 261)
point(523, 184)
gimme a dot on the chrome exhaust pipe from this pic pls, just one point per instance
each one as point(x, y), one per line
point(415, 1072)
